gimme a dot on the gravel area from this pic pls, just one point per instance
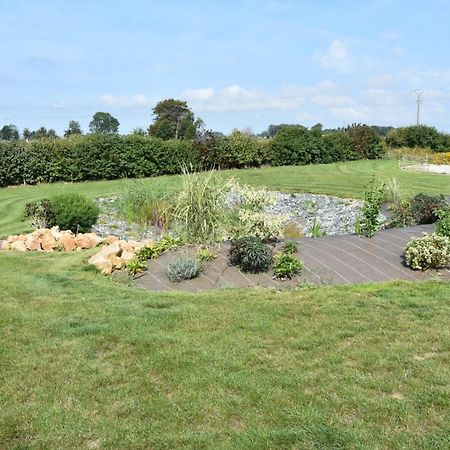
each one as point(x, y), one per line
point(434, 168)
point(335, 216)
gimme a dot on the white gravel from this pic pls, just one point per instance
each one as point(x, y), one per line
point(434, 168)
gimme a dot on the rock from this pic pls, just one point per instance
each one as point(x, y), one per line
point(11, 239)
point(19, 246)
point(84, 241)
point(32, 243)
point(127, 256)
point(40, 232)
point(55, 232)
point(48, 242)
point(6, 245)
point(103, 259)
point(117, 262)
point(95, 239)
point(68, 242)
point(110, 239)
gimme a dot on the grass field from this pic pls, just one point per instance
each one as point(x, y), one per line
point(340, 179)
point(89, 362)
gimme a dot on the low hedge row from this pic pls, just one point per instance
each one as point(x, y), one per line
point(96, 156)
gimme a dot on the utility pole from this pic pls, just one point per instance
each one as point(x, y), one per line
point(419, 94)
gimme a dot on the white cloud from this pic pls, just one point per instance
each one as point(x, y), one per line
point(336, 57)
point(198, 94)
point(126, 101)
point(348, 114)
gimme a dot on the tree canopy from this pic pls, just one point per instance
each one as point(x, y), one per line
point(9, 133)
point(103, 123)
point(73, 128)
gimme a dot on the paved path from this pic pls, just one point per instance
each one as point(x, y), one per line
point(332, 259)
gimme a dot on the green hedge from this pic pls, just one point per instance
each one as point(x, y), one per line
point(92, 157)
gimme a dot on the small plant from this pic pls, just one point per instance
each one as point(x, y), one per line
point(205, 254)
point(316, 230)
point(183, 268)
point(369, 223)
point(401, 214)
point(289, 248)
point(40, 213)
point(423, 207)
point(443, 224)
point(286, 266)
point(74, 212)
point(136, 266)
point(167, 242)
point(428, 252)
point(250, 254)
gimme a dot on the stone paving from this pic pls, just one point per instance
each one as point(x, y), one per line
point(328, 260)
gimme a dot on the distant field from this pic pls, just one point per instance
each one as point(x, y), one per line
point(340, 179)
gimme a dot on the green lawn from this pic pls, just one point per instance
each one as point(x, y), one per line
point(89, 362)
point(340, 179)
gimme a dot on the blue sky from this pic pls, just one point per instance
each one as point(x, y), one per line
point(237, 63)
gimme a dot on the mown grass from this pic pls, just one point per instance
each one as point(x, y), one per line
point(89, 362)
point(340, 179)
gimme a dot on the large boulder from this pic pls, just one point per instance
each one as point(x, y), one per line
point(110, 239)
point(88, 240)
point(48, 242)
point(19, 246)
point(32, 243)
point(103, 260)
point(6, 245)
point(68, 242)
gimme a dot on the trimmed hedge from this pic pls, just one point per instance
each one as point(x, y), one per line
point(92, 157)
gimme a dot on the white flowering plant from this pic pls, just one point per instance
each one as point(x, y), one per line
point(428, 252)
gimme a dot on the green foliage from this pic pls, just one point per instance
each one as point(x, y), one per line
point(136, 265)
point(424, 207)
point(199, 209)
point(339, 147)
point(286, 265)
point(316, 230)
point(250, 254)
point(365, 141)
point(73, 128)
point(183, 268)
point(296, 145)
point(443, 224)
point(40, 213)
point(9, 133)
point(74, 212)
point(393, 192)
point(292, 231)
point(173, 120)
point(420, 136)
point(401, 214)
point(205, 254)
point(428, 252)
point(374, 196)
point(290, 248)
point(146, 204)
point(167, 242)
point(103, 123)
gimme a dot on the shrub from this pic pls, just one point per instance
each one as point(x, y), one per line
point(200, 207)
point(183, 268)
point(250, 216)
point(290, 248)
point(296, 145)
point(339, 147)
point(167, 242)
point(292, 231)
point(74, 212)
point(286, 266)
point(443, 224)
point(440, 158)
point(420, 136)
point(40, 213)
point(365, 141)
point(250, 254)
point(374, 196)
point(401, 214)
point(428, 252)
point(424, 207)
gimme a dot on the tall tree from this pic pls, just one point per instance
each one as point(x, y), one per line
point(173, 119)
point(9, 133)
point(73, 128)
point(103, 123)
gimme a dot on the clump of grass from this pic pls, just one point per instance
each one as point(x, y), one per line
point(392, 190)
point(200, 207)
point(316, 229)
point(205, 254)
point(292, 231)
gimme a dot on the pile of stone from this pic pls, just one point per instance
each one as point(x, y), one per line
point(117, 255)
point(53, 239)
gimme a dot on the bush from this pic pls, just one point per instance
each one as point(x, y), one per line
point(40, 213)
point(339, 147)
point(365, 141)
point(205, 254)
point(250, 254)
point(74, 212)
point(424, 207)
point(296, 145)
point(286, 266)
point(289, 248)
point(183, 268)
point(167, 242)
point(443, 224)
point(250, 217)
point(428, 252)
point(200, 207)
point(374, 196)
point(401, 214)
point(420, 136)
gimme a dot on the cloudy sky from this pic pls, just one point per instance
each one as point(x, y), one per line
point(238, 63)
